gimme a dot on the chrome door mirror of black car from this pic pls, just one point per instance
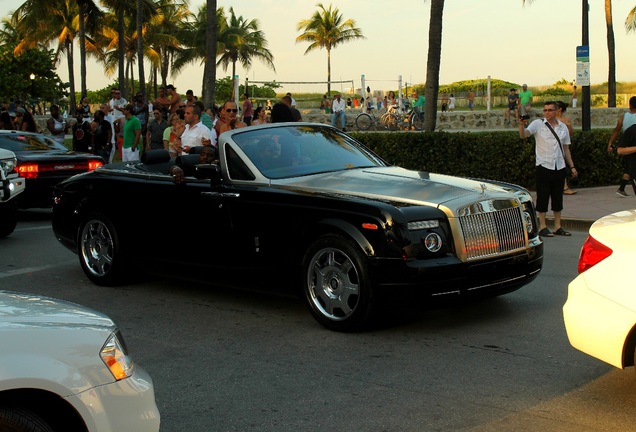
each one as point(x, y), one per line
point(209, 171)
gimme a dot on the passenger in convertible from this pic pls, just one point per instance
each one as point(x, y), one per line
point(185, 168)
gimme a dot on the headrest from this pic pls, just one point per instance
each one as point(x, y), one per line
point(155, 156)
point(188, 160)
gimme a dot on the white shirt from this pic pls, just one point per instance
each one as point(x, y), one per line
point(117, 113)
point(338, 106)
point(548, 151)
point(192, 135)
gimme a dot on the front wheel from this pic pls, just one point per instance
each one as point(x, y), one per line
point(364, 121)
point(8, 218)
point(19, 420)
point(337, 286)
point(100, 251)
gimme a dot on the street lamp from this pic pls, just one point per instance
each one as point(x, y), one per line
point(32, 76)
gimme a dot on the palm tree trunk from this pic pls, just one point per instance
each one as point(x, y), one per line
point(433, 64)
point(611, 51)
point(328, 72)
point(209, 72)
point(82, 43)
point(121, 34)
point(71, 75)
point(140, 48)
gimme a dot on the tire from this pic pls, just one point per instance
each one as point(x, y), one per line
point(364, 121)
point(19, 420)
point(336, 285)
point(100, 251)
point(417, 121)
point(390, 121)
point(8, 218)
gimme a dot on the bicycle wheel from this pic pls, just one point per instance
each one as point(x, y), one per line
point(390, 121)
point(417, 121)
point(364, 121)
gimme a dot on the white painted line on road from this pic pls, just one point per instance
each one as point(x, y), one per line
point(34, 269)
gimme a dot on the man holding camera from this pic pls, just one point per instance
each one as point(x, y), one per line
point(552, 152)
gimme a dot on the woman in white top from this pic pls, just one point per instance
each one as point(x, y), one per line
point(260, 116)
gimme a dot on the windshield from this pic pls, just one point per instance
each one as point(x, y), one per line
point(301, 150)
point(18, 142)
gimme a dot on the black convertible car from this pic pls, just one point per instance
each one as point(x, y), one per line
point(308, 205)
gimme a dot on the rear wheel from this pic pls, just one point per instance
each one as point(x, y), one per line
point(100, 251)
point(337, 287)
point(19, 420)
point(364, 121)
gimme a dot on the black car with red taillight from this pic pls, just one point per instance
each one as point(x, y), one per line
point(43, 163)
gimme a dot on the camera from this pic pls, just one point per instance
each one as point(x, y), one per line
point(525, 117)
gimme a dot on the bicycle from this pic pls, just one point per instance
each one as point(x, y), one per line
point(391, 120)
point(388, 120)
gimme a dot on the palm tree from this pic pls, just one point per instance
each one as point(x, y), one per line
point(47, 21)
point(433, 63)
point(241, 40)
point(327, 29)
point(88, 14)
point(209, 72)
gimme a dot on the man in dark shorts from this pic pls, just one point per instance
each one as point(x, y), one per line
point(513, 104)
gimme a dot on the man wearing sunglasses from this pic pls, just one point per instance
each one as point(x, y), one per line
point(228, 119)
point(552, 152)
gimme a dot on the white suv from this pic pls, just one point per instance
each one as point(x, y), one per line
point(64, 367)
point(12, 186)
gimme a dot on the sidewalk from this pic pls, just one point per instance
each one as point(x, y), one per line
point(589, 204)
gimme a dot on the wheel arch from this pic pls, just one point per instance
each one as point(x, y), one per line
point(52, 408)
point(346, 228)
point(629, 348)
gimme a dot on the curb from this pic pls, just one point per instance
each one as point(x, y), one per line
point(573, 224)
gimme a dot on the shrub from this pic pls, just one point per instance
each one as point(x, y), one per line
point(499, 155)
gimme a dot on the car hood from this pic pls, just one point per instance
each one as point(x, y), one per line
point(38, 311)
point(394, 184)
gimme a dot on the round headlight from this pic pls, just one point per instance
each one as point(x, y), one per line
point(433, 242)
point(529, 221)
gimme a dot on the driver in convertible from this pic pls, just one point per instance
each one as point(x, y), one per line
point(179, 172)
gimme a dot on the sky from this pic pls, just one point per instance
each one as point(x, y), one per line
point(533, 44)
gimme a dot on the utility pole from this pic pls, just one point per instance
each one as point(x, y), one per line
point(586, 120)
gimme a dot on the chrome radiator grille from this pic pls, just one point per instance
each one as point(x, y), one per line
point(493, 233)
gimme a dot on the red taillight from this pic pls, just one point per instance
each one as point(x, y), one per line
point(93, 164)
point(592, 253)
point(28, 170)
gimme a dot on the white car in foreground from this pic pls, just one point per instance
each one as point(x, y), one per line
point(64, 367)
point(600, 312)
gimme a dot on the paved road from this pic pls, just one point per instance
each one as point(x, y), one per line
point(225, 360)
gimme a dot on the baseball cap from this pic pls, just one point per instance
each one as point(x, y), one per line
point(189, 92)
point(171, 87)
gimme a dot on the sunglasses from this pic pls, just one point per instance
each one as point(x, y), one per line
point(231, 110)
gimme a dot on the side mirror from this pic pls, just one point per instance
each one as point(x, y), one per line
point(209, 171)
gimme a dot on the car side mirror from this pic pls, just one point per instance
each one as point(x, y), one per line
point(209, 171)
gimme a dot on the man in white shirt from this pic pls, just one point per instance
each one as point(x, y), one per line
point(196, 133)
point(117, 104)
point(337, 107)
point(552, 158)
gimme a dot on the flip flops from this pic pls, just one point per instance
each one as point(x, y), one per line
point(545, 232)
point(562, 232)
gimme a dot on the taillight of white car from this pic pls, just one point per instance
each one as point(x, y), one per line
point(592, 253)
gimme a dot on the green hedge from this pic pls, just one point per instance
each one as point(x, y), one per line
point(499, 155)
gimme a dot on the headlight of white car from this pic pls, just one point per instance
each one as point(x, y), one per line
point(115, 355)
point(7, 165)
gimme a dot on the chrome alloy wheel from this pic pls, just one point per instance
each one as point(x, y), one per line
point(333, 284)
point(97, 248)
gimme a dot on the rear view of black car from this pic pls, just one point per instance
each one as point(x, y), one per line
point(43, 163)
